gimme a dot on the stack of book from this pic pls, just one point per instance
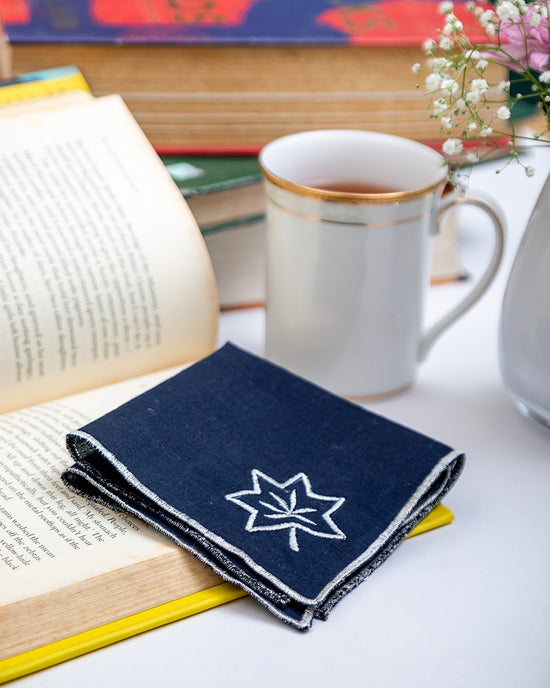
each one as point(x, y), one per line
point(226, 196)
point(224, 192)
point(234, 75)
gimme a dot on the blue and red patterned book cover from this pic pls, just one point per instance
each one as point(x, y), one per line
point(315, 22)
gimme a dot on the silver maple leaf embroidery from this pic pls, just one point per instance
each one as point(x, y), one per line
point(292, 505)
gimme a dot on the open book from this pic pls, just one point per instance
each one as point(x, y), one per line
point(106, 288)
point(104, 276)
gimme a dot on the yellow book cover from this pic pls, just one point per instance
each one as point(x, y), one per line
point(43, 83)
point(96, 638)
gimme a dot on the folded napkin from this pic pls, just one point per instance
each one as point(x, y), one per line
point(284, 489)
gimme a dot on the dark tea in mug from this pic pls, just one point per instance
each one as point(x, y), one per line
point(351, 187)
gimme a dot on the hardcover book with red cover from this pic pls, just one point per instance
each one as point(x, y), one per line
point(234, 74)
point(386, 22)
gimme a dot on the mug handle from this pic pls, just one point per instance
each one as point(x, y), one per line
point(496, 216)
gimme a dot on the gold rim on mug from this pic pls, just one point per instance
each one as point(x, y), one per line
point(352, 198)
point(325, 220)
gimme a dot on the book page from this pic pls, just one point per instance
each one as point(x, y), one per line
point(49, 536)
point(103, 272)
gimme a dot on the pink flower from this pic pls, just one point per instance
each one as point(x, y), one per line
point(522, 43)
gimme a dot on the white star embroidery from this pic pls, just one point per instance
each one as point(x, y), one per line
point(292, 505)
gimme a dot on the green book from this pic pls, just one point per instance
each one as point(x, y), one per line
point(226, 196)
point(222, 191)
point(200, 174)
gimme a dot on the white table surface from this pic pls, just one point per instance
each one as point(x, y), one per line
point(466, 605)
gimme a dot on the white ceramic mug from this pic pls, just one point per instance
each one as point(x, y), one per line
point(348, 270)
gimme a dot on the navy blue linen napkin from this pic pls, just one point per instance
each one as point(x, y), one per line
point(284, 489)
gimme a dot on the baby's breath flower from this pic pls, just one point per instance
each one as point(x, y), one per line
point(429, 45)
point(487, 18)
point(416, 67)
point(445, 7)
point(452, 146)
point(438, 63)
point(479, 86)
point(439, 107)
point(529, 171)
point(507, 11)
point(522, 6)
point(503, 112)
point(452, 26)
point(449, 85)
point(472, 55)
point(463, 96)
point(433, 82)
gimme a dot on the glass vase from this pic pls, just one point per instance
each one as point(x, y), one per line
point(524, 337)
